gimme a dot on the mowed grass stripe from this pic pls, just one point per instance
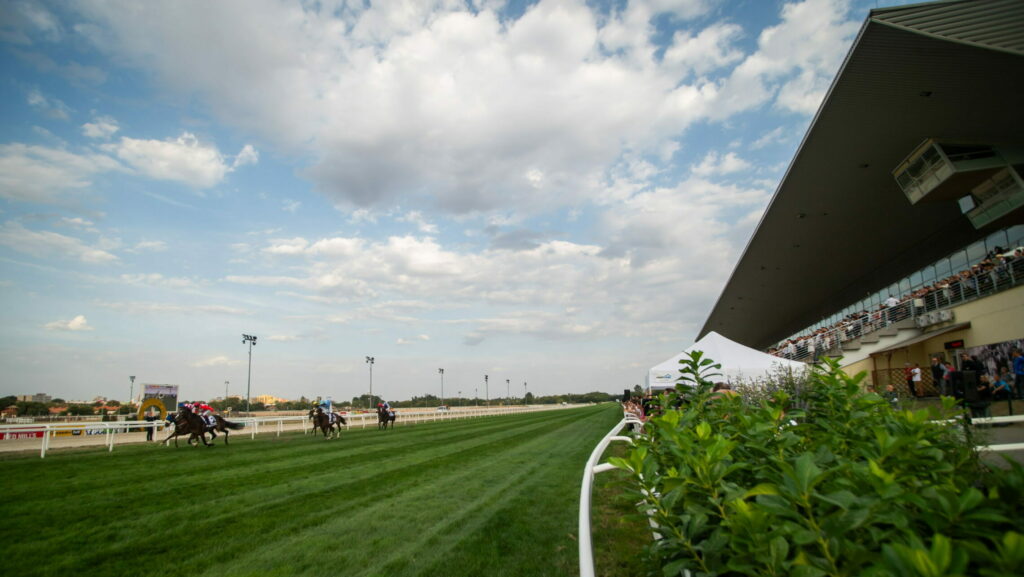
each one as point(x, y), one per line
point(416, 522)
point(410, 500)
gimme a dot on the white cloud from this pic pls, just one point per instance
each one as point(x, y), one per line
point(362, 215)
point(183, 159)
point(417, 218)
point(156, 279)
point(290, 206)
point(412, 340)
point(24, 22)
point(76, 324)
point(52, 107)
point(136, 307)
point(774, 136)
point(47, 175)
point(78, 222)
point(149, 246)
point(434, 98)
point(710, 49)
point(247, 155)
point(714, 164)
point(795, 60)
point(218, 361)
point(102, 127)
point(45, 244)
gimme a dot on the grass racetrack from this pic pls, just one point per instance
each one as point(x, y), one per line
point(488, 496)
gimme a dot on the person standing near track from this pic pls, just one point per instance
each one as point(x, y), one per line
point(938, 372)
point(151, 417)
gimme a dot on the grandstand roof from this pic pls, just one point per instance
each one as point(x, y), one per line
point(838, 227)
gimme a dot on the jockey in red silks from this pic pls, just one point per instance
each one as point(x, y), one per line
point(206, 411)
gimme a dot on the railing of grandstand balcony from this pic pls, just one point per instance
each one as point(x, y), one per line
point(830, 341)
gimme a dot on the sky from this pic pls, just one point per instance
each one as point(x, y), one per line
point(549, 193)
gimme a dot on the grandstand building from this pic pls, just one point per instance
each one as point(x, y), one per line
point(892, 238)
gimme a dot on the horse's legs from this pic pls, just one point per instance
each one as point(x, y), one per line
point(172, 435)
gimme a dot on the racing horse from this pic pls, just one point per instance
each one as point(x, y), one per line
point(188, 423)
point(323, 421)
point(223, 425)
point(385, 417)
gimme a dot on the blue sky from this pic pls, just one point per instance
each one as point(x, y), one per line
point(551, 193)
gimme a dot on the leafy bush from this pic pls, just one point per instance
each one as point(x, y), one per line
point(829, 480)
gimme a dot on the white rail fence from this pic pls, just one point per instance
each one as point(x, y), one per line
point(24, 436)
point(594, 467)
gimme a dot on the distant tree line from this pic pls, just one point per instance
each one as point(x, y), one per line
point(236, 404)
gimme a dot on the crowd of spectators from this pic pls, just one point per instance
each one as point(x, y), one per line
point(996, 270)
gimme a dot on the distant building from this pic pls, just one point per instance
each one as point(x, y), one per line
point(36, 398)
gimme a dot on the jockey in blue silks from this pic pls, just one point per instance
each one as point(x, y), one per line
point(328, 407)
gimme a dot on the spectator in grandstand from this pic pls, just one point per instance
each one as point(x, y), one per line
point(1018, 371)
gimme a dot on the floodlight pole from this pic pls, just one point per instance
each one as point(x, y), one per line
point(371, 360)
point(487, 392)
point(508, 396)
point(442, 385)
point(251, 339)
point(524, 393)
point(131, 389)
point(226, 391)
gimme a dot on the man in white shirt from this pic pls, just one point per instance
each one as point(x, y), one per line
point(915, 380)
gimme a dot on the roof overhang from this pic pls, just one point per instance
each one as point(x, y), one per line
point(839, 227)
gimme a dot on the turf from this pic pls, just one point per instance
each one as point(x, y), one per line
point(489, 496)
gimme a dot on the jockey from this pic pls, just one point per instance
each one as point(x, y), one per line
point(328, 407)
point(206, 411)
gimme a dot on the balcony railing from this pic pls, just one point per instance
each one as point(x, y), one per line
point(923, 308)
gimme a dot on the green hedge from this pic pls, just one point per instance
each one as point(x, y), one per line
point(820, 478)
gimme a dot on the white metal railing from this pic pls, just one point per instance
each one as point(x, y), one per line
point(21, 436)
point(592, 468)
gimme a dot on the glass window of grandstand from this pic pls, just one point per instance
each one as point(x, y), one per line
point(957, 262)
point(1016, 235)
point(975, 253)
point(997, 241)
point(928, 275)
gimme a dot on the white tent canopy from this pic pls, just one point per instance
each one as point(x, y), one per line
point(740, 364)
